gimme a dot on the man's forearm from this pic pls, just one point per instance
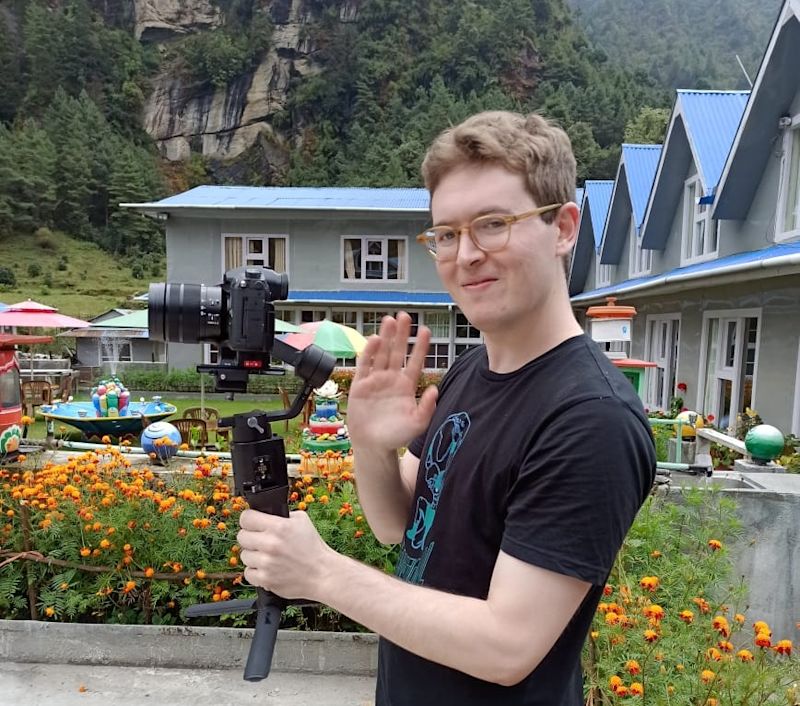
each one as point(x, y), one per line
point(383, 496)
point(456, 631)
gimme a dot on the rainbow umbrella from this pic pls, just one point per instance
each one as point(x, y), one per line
point(339, 340)
point(282, 326)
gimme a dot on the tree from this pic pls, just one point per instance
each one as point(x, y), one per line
point(649, 127)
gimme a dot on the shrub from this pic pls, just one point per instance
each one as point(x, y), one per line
point(44, 239)
point(7, 277)
point(34, 270)
point(62, 263)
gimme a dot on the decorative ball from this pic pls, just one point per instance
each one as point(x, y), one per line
point(688, 430)
point(162, 439)
point(764, 442)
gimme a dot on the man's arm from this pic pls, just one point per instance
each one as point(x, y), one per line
point(501, 639)
point(386, 491)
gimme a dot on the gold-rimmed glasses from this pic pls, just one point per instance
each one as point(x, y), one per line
point(489, 233)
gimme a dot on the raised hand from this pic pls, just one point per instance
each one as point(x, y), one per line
point(382, 410)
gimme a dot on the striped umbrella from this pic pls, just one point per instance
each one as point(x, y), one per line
point(337, 339)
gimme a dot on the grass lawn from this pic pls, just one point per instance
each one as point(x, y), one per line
point(75, 276)
point(225, 407)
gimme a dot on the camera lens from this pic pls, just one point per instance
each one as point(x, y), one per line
point(184, 313)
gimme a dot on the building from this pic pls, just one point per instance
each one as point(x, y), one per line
point(713, 267)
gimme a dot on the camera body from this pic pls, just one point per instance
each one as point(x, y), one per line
point(237, 315)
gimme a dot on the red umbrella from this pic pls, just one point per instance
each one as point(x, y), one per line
point(31, 314)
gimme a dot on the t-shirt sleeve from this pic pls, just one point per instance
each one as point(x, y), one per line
point(579, 488)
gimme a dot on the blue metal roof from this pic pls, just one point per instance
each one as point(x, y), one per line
point(712, 119)
point(641, 162)
point(349, 296)
point(598, 195)
point(297, 198)
point(579, 196)
point(696, 270)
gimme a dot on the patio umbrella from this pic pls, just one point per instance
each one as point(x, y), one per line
point(339, 340)
point(282, 326)
point(31, 314)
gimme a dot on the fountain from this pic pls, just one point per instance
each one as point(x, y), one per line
point(109, 412)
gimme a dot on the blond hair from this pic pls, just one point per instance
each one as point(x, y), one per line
point(530, 145)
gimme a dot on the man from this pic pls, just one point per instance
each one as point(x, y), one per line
point(523, 471)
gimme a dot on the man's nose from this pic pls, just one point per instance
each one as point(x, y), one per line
point(468, 252)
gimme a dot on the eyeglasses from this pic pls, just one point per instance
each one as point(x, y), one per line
point(489, 233)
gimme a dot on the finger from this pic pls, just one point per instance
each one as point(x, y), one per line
point(255, 521)
point(427, 405)
point(364, 361)
point(249, 558)
point(416, 361)
point(380, 360)
point(397, 354)
point(255, 577)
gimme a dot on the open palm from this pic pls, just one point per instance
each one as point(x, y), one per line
point(382, 408)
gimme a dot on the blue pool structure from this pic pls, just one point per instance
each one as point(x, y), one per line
point(83, 416)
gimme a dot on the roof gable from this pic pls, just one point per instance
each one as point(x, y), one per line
point(701, 130)
point(594, 207)
point(774, 90)
point(635, 174)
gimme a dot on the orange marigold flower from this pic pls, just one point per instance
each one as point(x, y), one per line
point(22, 458)
point(711, 701)
point(358, 533)
point(745, 655)
point(149, 572)
point(129, 586)
point(720, 624)
point(608, 590)
point(637, 689)
point(714, 544)
point(707, 676)
point(221, 526)
point(294, 497)
point(104, 544)
point(650, 635)
point(611, 618)
point(702, 604)
point(649, 583)
point(725, 646)
point(686, 616)
point(633, 667)
point(761, 626)
point(713, 654)
point(233, 561)
point(200, 574)
point(655, 612)
point(655, 554)
point(614, 682)
point(594, 634)
point(49, 611)
point(301, 505)
point(763, 639)
point(26, 421)
point(106, 439)
point(784, 647)
point(183, 447)
point(85, 551)
point(621, 690)
point(739, 618)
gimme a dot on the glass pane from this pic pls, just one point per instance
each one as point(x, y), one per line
point(277, 254)
point(9, 389)
point(730, 344)
point(374, 269)
point(255, 246)
point(233, 253)
point(414, 323)
point(346, 318)
point(308, 315)
point(372, 322)
point(351, 267)
point(257, 261)
point(711, 366)
point(728, 416)
point(375, 247)
point(464, 329)
point(439, 323)
point(790, 219)
point(394, 266)
point(437, 356)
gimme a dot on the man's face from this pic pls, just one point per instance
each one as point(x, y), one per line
point(505, 290)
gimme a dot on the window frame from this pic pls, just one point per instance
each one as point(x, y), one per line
point(637, 253)
point(791, 143)
point(265, 237)
point(383, 258)
point(733, 373)
point(670, 367)
point(604, 274)
point(695, 213)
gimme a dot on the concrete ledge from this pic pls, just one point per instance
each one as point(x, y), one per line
point(182, 647)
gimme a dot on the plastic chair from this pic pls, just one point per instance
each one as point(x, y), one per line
point(65, 387)
point(187, 426)
point(211, 416)
point(34, 393)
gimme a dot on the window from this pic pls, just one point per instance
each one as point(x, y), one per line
point(439, 350)
point(661, 347)
point(257, 250)
point(729, 357)
point(604, 274)
point(115, 350)
point(374, 259)
point(641, 259)
point(346, 318)
point(789, 195)
point(9, 388)
point(372, 322)
point(699, 230)
point(467, 336)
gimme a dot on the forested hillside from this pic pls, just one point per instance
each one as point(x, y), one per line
point(682, 44)
point(360, 89)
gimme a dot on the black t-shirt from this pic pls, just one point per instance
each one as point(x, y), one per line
point(549, 463)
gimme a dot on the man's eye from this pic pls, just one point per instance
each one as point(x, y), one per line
point(445, 236)
point(493, 224)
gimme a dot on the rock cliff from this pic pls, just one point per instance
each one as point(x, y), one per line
point(221, 124)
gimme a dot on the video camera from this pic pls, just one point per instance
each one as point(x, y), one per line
point(238, 315)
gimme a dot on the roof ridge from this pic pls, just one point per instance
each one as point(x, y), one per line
point(713, 91)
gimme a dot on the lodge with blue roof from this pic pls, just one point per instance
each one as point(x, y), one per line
point(700, 234)
point(718, 306)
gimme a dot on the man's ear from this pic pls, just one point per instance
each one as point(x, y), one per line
point(566, 221)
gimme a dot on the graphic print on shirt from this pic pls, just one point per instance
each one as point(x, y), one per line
point(442, 450)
